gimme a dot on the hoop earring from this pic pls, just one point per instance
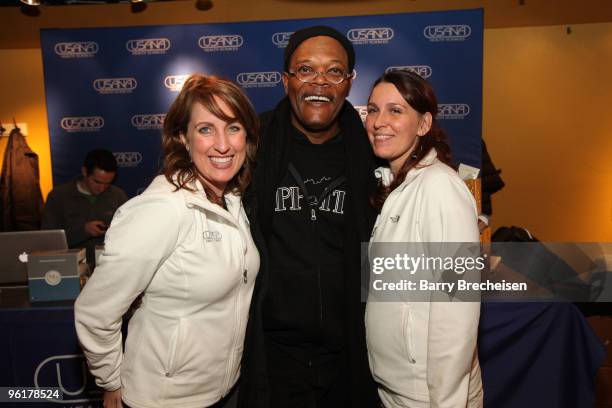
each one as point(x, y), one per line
point(419, 146)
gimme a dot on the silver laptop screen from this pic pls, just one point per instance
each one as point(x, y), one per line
point(14, 244)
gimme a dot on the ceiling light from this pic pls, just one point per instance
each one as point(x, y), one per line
point(31, 2)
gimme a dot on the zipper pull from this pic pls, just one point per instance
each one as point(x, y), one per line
point(313, 214)
point(244, 276)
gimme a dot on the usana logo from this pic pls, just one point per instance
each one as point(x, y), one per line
point(128, 159)
point(82, 123)
point(76, 49)
point(447, 32)
point(150, 121)
point(148, 46)
point(212, 236)
point(363, 111)
point(381, 35)
point(59, 370)
point(453, 110)
point(424, 71)
point(175, 82)
point(258, 79)
point(220, 42)
point(281, 39)
point(115, 85)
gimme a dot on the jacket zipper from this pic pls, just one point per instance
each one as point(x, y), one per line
point(230, 362)
point(314, 202)
point(318, 255)
point(313, 211)
point(237, 305)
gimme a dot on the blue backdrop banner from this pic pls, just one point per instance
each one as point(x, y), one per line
point(110, 87)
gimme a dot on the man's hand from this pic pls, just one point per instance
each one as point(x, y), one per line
point(95, 228)
point(112, 399)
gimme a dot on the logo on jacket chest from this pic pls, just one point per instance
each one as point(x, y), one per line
point(394, 220)
point(212, 236)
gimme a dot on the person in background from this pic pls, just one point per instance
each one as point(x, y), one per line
point(422, 353)
point(491, 183)
point(184, 244)
point(85, 206)
point(306, 342)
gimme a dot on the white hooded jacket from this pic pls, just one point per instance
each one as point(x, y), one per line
point(195, 264)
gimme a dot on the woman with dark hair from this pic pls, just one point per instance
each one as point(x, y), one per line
point(422, 353)
point(184, 244)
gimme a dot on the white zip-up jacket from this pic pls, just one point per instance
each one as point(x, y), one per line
point(195, 264)
point(423, 354)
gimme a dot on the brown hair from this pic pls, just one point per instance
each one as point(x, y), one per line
point(178, 167)
point(421, 97)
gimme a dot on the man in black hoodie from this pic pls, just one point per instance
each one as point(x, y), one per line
point(305, 344)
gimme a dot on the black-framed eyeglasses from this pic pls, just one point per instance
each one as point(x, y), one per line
point(308, 75)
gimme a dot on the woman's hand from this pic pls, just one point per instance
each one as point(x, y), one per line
point(112, 399)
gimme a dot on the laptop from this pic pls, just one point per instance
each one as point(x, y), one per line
point(14, 247)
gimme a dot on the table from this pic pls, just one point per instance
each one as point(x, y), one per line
point(531, 354)
point(537, 355)
point(38, 346)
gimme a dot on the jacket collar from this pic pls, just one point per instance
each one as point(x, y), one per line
point(384, 173)
point(198, 199)
point(78, 194)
